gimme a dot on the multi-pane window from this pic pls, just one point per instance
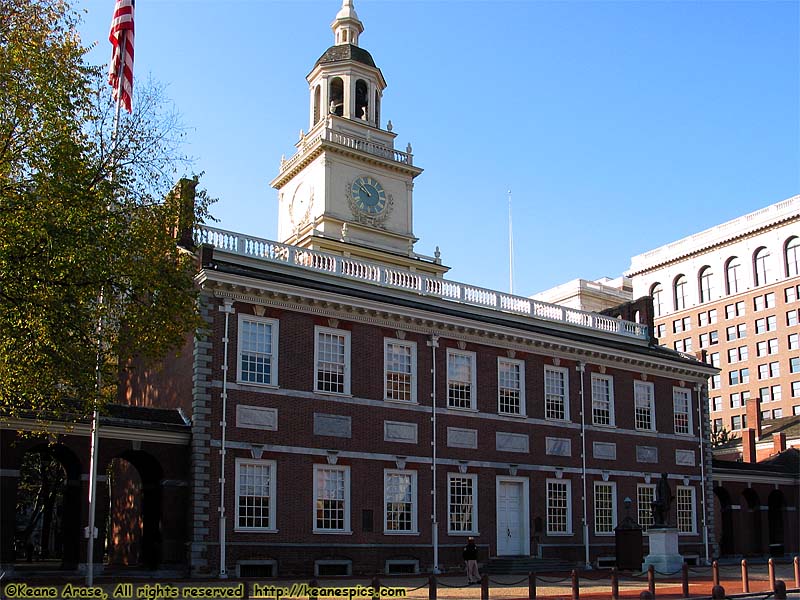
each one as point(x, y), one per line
point(661, 330)
point(776, 392)
point(706, 281)
point(792, 257)
point(685, 509)
point(400, 370)
point(777, 413)
point(255, 494)
point(331, 498)
point(793, 341)
point(791, 318)
point(736, 400)
point(681, 404)
point(684, 345)
point(462, 508)
point(717, 425)
point(737, 422)
point(258, 346)
point(795, 389)
point(715, 403)
point(761, 266)
point(460, 379)
point(645, 494)
point(735, 377)
point(657, 292)
point(733, 275)
point(714, 382)
point(765, 301)
point(768, 370)
point(605, 508)
point(683, 324)
point(794, 364)
point(644, 413)
point(768, 324)
point(400, 501)
point(680, 289)
point(332, 352)
point(735, 332)
point(556, 400)
point(713, 359)
point(707, 317)
point(790, 294)
point(709, 339)
point(559, 513)
point(602, 399)
point(737, 354)
point(510, 386)
point(734, 310)
point(765, 394)
point(766, 347)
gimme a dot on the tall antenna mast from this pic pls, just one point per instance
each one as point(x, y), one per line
point(510, 249)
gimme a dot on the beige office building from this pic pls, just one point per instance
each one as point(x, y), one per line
point(734, 291)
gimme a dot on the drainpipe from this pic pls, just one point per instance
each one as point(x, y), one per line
point(700, 399)
point(227, 308)
point(434, 344)
point(581, 368)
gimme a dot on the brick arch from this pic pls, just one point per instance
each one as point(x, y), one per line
point(727, 540)
point(751, 523)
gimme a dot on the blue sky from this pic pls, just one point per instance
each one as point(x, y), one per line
point(618, 126)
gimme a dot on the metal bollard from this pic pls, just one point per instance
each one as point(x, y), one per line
point(685, 579)
point(576, 588)
point(646, 595)
point(718, 592)
point(432, 587)
point(715, 573)
point(780, 590)
point(614, 584)
point(745, 577)
point(484, 587)
point(376, 588)
point(651, 580)
point(771, 568)
point(531, 586)
point(796, 562)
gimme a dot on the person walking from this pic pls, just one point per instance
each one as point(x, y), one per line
point(470, 555)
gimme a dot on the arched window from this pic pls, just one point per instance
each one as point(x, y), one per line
point(317, 94)
point(362, 99)
point(791, 255)
point(705, 279)
point(680, 292)
point(733, 276)
point(377, 106)
point(657, 292)
point(336, 96)
point(760, 266)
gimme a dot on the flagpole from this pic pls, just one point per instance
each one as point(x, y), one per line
point(95, 433)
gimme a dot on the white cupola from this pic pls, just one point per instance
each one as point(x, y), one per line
point(347, 26)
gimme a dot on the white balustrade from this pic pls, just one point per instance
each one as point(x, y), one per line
point(411, 281)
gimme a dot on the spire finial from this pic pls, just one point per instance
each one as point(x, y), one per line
point(347, 26)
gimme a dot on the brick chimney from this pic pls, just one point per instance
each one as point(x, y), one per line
point(754, 416)
point(778, 442)
point(749, 445)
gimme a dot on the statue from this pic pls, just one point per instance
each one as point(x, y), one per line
point(661, 503)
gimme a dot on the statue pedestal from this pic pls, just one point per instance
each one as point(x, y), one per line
point(664, 554)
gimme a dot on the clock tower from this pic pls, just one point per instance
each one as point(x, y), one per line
point(347, 190)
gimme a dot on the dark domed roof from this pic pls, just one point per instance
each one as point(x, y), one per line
point(342, 52)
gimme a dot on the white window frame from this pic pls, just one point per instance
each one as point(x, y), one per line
point(273, 355)
point(641, 385)
point(647, 509)
point(271, 515)
point(414, 503)
point(520, 365)
point(412, 346)
point(346, 500)
point(687, 393)
point(609, 400)
point(473, 477)
point(693, 500)
point(613, 487)
point(319, 330)
point(473, 385)
point(564, 372)
point(568, 488)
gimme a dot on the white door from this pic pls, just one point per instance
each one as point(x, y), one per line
point(512, 518)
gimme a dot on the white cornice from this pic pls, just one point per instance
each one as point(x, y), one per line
point(106, 431)
point(256, 291)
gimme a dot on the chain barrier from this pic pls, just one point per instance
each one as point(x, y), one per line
point(700, 569)
point(512, 584)
point(657, 572)
point(585, 575)
point(424, 584)
point(443, 584)
point(544, 580)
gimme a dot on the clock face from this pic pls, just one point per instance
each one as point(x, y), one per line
point(300, 208)
point(368, 195)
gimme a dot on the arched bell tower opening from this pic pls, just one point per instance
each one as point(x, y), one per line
point(317, 100)
point(336, 95)
point(377, 105)
point(362, 100)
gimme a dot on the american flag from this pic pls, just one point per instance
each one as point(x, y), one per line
point(121, 37)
